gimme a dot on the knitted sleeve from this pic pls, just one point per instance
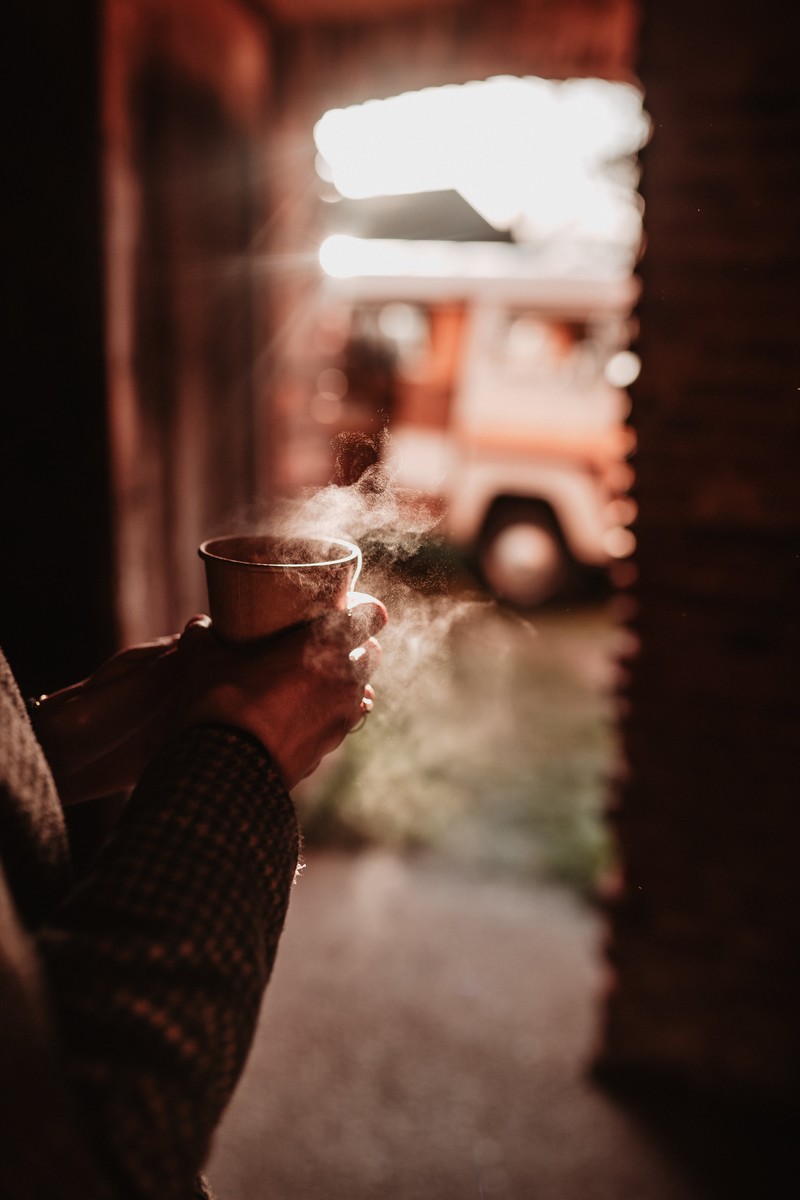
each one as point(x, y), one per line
point(158, 959)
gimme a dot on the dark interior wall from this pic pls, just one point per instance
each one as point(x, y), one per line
point(134, 199)
point(185, 104)
point(56, 584)
point(705, 938)
point(135, 381)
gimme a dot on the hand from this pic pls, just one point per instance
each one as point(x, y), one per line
point(98, 734)
point(299, 693)
point(302, 694)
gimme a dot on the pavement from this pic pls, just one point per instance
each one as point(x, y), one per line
point(428, 1034)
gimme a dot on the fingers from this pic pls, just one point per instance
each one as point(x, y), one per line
point(342, 644)
point(364, 616)
point(367, 616)
point(196, 635)
point(348, 667)
point(365, 659)
point(300, 692)
point(198, 621)
point(133, 658)
point(365, 707)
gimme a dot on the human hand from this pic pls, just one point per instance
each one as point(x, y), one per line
point(98, 734)
point(299, 693)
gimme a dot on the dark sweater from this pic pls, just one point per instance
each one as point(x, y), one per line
point(130, 999)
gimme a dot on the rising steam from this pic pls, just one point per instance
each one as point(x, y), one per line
point(387, 521)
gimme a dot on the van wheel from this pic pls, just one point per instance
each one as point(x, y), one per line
point(522, 557)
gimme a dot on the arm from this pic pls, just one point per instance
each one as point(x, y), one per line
point(98, 734)
point(158, 960)
point(35, 1102)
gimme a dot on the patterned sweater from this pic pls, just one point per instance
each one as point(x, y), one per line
point(129, 999)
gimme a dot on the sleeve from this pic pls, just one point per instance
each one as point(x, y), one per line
point(158, 959)
point(35, 1104)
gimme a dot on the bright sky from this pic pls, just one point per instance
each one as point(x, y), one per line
point(530, 155)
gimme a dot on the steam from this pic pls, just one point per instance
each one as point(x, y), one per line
point(443, 721)
point(481, 742)
point(387, 521)
point(439, 623)
point(392, 525)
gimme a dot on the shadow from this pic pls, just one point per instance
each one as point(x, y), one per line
point(729, 1144)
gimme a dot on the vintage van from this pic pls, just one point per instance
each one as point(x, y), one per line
point(508, 403)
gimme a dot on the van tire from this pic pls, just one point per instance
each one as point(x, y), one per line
point(521, 555)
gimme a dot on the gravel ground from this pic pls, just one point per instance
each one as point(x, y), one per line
point(426, 1036)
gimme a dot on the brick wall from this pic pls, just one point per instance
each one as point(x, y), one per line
point(705, 936)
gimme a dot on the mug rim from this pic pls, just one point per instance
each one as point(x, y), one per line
point(207, 551)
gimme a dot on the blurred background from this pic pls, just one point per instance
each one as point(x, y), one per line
point(506, 294)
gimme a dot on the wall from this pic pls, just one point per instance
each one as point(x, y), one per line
point(56, 595)
point(705, 936)
point(135, 350)
point(185, 107)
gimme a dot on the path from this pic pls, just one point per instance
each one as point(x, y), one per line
point(426, 1036)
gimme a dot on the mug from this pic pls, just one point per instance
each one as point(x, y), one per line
point(261, 584)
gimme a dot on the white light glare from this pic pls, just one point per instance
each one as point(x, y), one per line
point(623, 368)
point(528, 154)
point(344, 257)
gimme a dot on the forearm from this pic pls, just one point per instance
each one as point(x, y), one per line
point(158, 960)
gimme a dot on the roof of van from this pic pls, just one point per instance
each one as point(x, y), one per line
point(421, 216)
point(562, 278)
